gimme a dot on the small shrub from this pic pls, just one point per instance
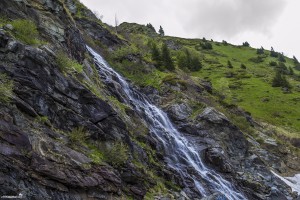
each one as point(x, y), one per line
point(229, 65)
point(117, 155)
point(273, 53)
point(206, 45)
point(42, 119)
point(246, 44)
point(273, 64)
point(281, 58)
point(6, 88)
point(26, 31)
point(260, 51)
point(67, 64)
point(243, 66)
point(280, 81)
point(77, 135)
point(258, 59)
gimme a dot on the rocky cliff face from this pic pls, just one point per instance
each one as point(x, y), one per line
point(69, 136)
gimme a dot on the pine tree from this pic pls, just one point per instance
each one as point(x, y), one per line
point(280, 80)
point(246, 44)
point(260, 51)
point(243, 66)
point(229, 65)
point(281, 58)
point(151, 27)
point(156, 57)
point(295, 60)
point(273, 53)
point(161, 31)
point(166, 58)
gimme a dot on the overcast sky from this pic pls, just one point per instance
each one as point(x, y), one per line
point(260, 22)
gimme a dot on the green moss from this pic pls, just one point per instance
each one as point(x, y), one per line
point(6, 89)
point(26, 31)
point(67, 64)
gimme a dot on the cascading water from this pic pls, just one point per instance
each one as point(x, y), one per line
point(180, 154)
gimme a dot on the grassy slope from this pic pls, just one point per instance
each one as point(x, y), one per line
point(248, 88)
point(254, 92)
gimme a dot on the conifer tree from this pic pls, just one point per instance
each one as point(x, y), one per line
point(149, 25)
point(260, 51)
point(161, 31)
point(295, 60)
point(273, 53)
point(280, 80)
point(166, 58)
point(246, 44)
point(281, 58)
point(156, 57)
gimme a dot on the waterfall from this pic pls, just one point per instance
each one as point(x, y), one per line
point(180, 154)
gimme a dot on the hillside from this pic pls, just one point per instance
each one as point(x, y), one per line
point(249, 88)
point(192, 119)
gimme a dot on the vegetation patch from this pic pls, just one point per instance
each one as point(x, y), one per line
point(67, 64)
point(117, 154)
point(25, 31)
point(6, 88)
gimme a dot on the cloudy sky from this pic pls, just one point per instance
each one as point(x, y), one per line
point(260, 22)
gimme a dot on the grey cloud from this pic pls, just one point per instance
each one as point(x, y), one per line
point(228, 18)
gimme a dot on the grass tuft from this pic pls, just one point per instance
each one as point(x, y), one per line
point(67, 64)
point(6, 89)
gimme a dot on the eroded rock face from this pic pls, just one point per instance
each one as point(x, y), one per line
point(37, 159)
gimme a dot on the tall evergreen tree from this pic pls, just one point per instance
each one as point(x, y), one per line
point(149, 25)
point(281, 58)
point(273, 53)
point(156, 57)
point(166, 58)
point(161, 31)
point(295, 60)
point(260, 51)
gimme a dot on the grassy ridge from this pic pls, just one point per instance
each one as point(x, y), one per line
point(249, 87)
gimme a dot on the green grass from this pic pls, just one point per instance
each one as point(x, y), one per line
point(6, 89)
point(26, 31)
point(251, 88)
point(67, 64)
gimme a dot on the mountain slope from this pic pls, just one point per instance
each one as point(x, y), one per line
point(66, 133)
